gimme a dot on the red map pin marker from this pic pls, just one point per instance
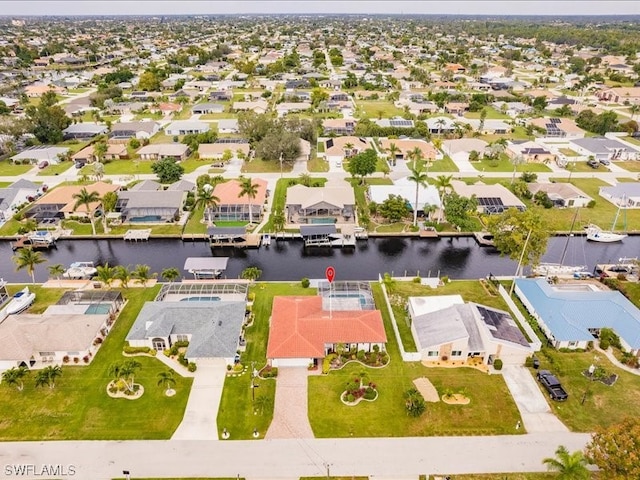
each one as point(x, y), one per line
point(330, 273)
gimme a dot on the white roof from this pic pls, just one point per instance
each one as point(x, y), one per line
point(423, 305)
point(205, 263)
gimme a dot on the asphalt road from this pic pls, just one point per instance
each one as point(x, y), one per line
point(379, 457)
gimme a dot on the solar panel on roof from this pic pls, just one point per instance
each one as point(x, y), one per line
point(490, 201)
point(330, 143)
point(555, 120)
point(401, 123)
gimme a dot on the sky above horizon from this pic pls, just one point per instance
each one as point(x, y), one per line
point(193, 7)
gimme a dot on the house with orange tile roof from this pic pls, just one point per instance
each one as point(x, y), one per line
point(59, 202)
point(303, 330)
point(234, 207)
point(405, 146)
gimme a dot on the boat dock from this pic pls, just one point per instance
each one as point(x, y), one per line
point(428, 232)
point(266, 240)
point(136, 235)
point(626, 266)
point(484, 239)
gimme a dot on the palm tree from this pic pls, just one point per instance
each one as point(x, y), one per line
point(443, 184)
point(262, 403)
point(106, 274)
point(416, 155)
point(56, 271)
point(250, 190)
point(635, 108)
point(393, 152)
point(278, 220)
point(84, 198)
point(570, 466)
point(108, 201)
point(127, 372)
point(123, 274)
point(251, 273)
point(47, 376)
point(440, 123)
point(15, 376)
point(170, 274)
point(348, 149)
point(420, 177)
point(166, 378)
point(208, 200)
point(28, 258)
point(142, 274)
point(305, 179)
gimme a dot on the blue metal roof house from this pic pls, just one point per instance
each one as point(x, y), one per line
point(570, 317)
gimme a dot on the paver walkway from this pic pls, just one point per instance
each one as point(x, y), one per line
point(534, 409)
point(199, 421)
point(290, 418)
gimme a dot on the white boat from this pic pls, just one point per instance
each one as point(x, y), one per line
point(20, 301)
point(80, 270)
point(558, 270)
point(42, 238)
point(596, 234)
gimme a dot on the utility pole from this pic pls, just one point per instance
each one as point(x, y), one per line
point(281, 164)
point(524, 249)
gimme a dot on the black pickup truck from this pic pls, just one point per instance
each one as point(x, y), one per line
point(553, 385)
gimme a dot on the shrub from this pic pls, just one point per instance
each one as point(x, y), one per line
point(305, 282)
point(591, 204)
point(251, 296)
point(65, 359)
point(85, 359)
point(361, 355)
point(229, 367)
point(269, 372)
point(369, 394)
point(76, 360)
point(604, 343)
point(128, 349)
point(444, 279)
point(497, 364)
point(417, 280)
point(181, 344)
point(192, 367)
point(528, 362)
point(183, 361)
point(350, 398)
point(414, 403)
point(326, 362)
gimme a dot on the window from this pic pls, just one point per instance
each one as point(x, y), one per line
point(47, 354)
point(432, 353)
point(182, 338)
point(573, 344)
point(456, 353)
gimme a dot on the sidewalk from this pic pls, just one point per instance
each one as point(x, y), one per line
point(609, 354)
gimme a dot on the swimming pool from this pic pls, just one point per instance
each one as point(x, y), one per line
point(98, 309)
point(146, 219)
point(201, 299)
point(322, 220)
point(363, 299)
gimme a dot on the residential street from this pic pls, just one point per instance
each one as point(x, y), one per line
point(390, 457)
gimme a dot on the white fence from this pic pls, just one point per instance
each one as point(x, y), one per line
point(406, 356)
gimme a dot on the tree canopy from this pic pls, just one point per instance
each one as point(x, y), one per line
point(167, 170)
point(363, 164)
point(48, 119)
point(511, 229)
point(459, 211)
point(616, 450)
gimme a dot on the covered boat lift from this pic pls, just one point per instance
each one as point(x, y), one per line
point(206, 268)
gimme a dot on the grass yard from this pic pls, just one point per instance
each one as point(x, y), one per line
point(195, 225)
point(317, 165)
point(55, 169)
point(491, 411)
point(630, 166)
point(126, 167)
point(9, 169)
point(511, 476)
point(79, 408)
point(635, 141)
point(505, 165)
point(601, 214)
point(44, 296)
point(257, 165)
point(378, 109)
point(5, 184)
point(492, 114)
point(444, 165)
point(235, 412)
point(156, 229)
point(603, 405)
point(584, 167)
point(568, 152)
point(192, 163)
point(218, 116)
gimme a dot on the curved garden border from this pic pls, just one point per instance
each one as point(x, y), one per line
point(361, 363)
point(135, 396)
point(456, 399)
point(357, 400)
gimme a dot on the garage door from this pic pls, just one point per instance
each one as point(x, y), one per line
point(291, 362)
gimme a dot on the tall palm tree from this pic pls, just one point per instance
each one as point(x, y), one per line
point(127, 372)
point(108, 201)
point(171, 274)
point(142, 274)
point(47, 376)
point(635, 108)
point(15, 376)
point(393, 152)
point(123, 274)
point(27, 258)
point(106, 274)
point(85, 198)
point(56, 271)
point(348, 149)
point(443, 184)
point(278, 220)
point(250, 190)
point(420, 177)
point(166, 378)
point(208, 200)
point(570, 466)
point(416, 155)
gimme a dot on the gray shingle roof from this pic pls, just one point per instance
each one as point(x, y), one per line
point(214, 326)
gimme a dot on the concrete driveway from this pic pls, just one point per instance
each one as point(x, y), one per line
point(532, 404)
point(290, 417)
point(199, 421)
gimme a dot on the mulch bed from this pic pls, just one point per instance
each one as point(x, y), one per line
point(608, 380)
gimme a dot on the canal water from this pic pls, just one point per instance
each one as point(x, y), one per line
point(458, 258)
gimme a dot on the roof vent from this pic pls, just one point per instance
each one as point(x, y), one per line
point(219, 323)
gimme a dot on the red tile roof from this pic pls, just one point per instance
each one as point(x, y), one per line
point(229, 192)
point(300, 328)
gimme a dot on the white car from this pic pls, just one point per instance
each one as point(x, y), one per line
point(339, 164)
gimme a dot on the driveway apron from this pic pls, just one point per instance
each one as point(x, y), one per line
point(290, 418)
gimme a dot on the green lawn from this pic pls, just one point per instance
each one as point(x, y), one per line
point(491, 411)
point(55, 169)
point(504, 165)
point(195, 225)
point(317, 165)
point(492, 114)
point(156, 229)
point(511, 476)
point(584, 167)
point(601, 214)
point(265, 166)
point(518, 133)
point(444, 165)
point(79, 407)
point(630, 166)
point(218, 116)
point(374, 109)
point(44, 296)
point(124, 167)
point(568, 152)
point(236, 411)
point(635, 141)
point(603, 404)
point(191, 163)
point(8, 169)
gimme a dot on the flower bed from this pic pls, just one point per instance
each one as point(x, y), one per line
point(114, 390)
point(357, 390)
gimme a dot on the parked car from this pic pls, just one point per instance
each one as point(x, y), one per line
point(80, 164)
point(605, 162)
point(43, 164)
point(593, 163)
point(552, 385)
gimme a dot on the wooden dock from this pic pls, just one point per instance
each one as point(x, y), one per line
point(428, 232)
point(484, 239)
point(138, 235)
